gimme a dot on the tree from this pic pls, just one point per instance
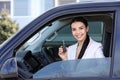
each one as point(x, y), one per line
point(7, 26)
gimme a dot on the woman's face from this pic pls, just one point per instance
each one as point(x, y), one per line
point(79, 30)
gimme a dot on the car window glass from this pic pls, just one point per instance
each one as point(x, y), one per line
point(76, 68)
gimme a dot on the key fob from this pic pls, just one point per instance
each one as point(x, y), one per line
point(64, 47)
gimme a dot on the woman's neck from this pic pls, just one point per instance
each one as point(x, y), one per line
point(80, 43)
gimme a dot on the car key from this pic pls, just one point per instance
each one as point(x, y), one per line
point(64, 47)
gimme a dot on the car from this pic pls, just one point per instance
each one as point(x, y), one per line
point(32, 53)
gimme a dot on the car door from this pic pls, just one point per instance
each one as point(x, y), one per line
point(35, 48)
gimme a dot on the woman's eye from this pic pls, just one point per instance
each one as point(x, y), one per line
point(73, 29)
point(81, 28)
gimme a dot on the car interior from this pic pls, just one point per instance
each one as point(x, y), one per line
point(42, 49)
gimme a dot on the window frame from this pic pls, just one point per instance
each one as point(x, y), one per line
point(75, 15)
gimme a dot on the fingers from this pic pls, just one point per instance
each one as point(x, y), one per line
point(62, 55)
point(60, 50)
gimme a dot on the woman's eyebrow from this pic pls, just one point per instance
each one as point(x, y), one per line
point(81, 26)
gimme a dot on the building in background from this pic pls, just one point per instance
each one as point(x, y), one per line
point(24, 11)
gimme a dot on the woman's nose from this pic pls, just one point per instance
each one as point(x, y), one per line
point(77, 31)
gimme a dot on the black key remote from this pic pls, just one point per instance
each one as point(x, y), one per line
point(64, 47)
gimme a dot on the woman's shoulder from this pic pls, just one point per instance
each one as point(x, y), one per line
point(93, 42)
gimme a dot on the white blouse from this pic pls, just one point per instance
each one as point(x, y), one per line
point(93, 50)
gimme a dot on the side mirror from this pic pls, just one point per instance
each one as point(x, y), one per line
point(9, 69)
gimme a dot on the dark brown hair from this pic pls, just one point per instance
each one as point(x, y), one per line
point(79, 19)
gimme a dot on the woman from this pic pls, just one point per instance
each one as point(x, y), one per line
point(85, 46)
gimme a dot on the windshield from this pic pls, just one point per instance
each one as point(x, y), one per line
point(76, 68)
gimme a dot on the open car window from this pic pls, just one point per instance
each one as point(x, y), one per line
point(40, 58)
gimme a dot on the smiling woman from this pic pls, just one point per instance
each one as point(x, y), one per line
point(90, 46)
point(79, 28)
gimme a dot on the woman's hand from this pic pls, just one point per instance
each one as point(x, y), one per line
point(63, 55)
